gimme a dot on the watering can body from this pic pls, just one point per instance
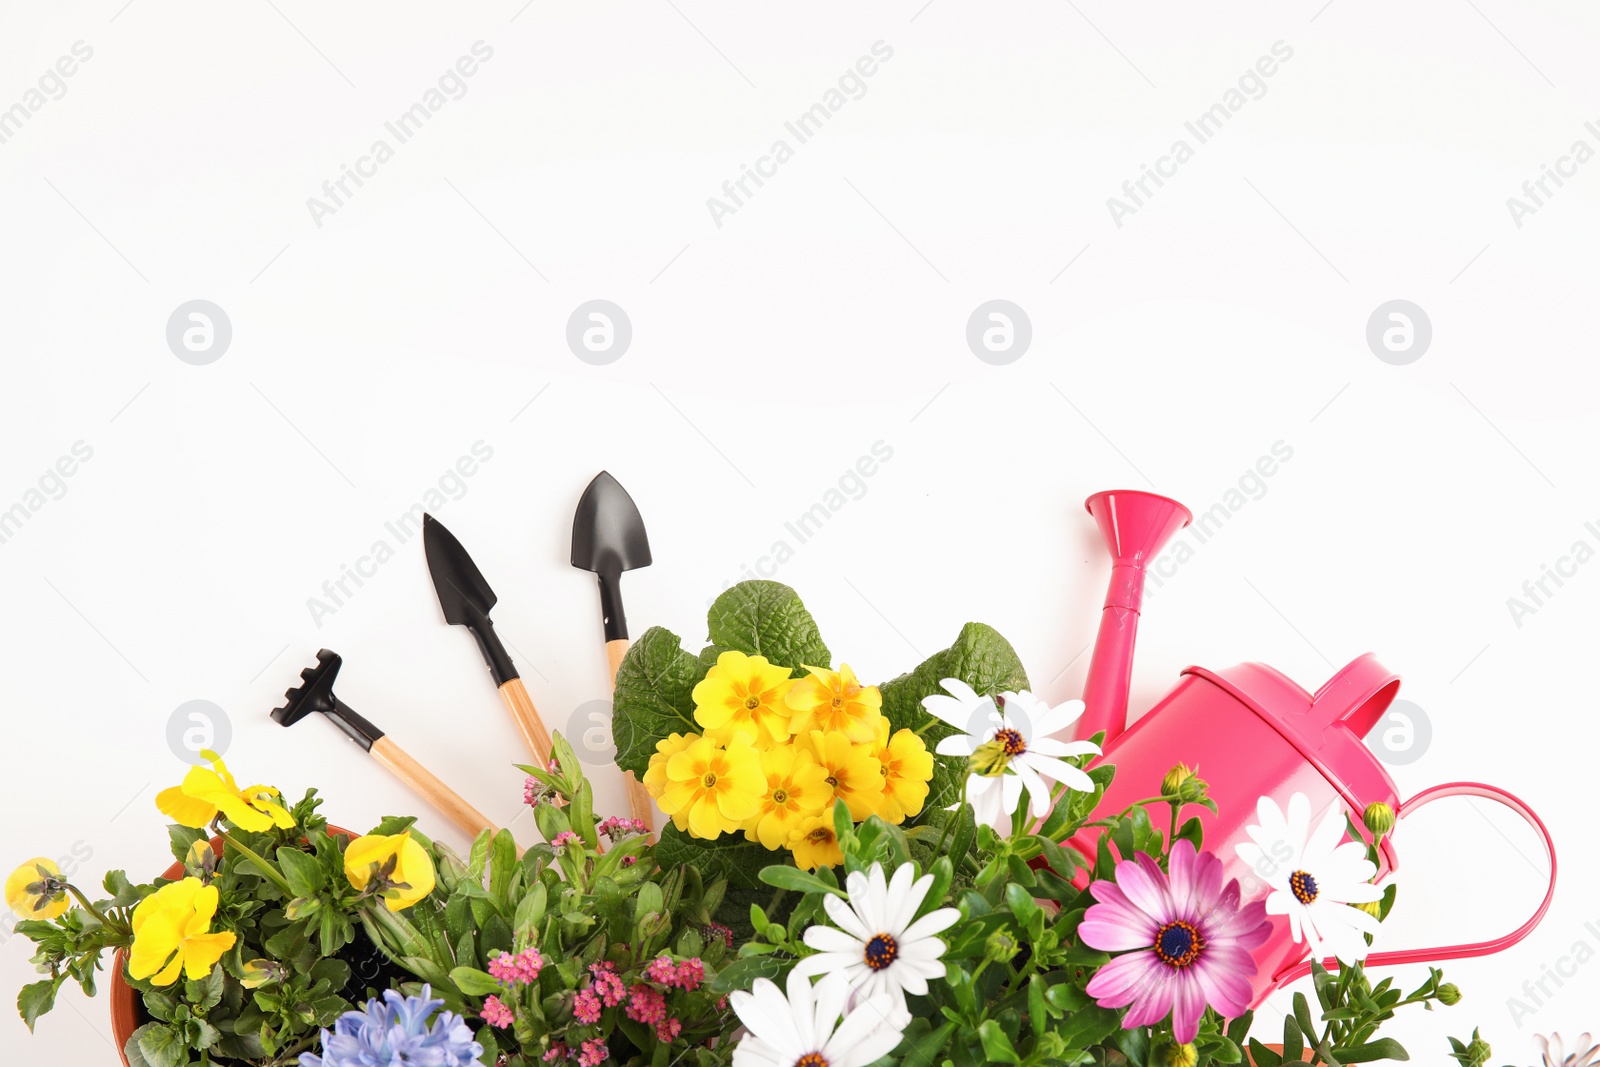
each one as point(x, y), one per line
point(1251, 732)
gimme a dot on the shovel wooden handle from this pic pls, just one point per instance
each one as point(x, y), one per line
point(430, 788)
point(533, 729)
point(639, 803)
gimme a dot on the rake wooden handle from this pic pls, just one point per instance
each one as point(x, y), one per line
point(427, 785)
point(533, 729)
point(639, 803)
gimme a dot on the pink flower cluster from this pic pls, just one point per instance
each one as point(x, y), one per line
point(607, 984)
point(558, 1051)
point(593, 1053)
point(564, 837)
point(533, 791)
point(617, 829)
point(496, 1014)
point(523, 967)
point(646, 1004)
point(686, 976)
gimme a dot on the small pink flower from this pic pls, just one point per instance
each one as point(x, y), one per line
point(594, 1053)
point(607, 984)
point(690, 974)
point(629, 861)
point(523, 967)
point(563, 838)
point(662, 971)
point(496, 1014)
point(646, 1004)
point(558, 1051)
point(1191, 938)
point(667, 1031)
point(586, 1007)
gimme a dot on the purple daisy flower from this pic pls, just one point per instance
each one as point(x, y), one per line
point(1193, 941)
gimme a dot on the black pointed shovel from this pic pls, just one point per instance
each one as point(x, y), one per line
point(466, 599)
point(608, 537)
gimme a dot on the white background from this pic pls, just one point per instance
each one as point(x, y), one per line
point(827, 313)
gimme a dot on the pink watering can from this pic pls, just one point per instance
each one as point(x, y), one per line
point(1251, 732)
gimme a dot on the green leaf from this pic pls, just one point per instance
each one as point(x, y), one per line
point(530, 910)
point(981, 658)
point(301, 870)
point(729, 856)
point(1302, 1016)
point(123, 892)
point(795, 879)
point(1089, 1026)
point(1385, 1048)
point(1264, 1056)
point(1292, 1044)
point(502, 861)
point(653, 697)
point(996, 1045)
point(583, 815)
point(473, 982)
point(161, 1046)
point(767, 619)
point(742, 974)
point(36, 998)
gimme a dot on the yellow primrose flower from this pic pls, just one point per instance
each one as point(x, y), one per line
point(907, 768)
point(172, 933)
point(655, 776)
point(716, 788)
point(853, 773)
point(814, 843)
point(396, 867)
point(36, 890)
point(744, 695)
point(797, 786)
point(834, 701)
point(206, 792)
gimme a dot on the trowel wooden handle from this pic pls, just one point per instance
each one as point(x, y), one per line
point(639, 803)
point(430, 788)
point(533, 730)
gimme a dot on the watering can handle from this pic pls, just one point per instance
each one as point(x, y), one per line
point(1480, 948)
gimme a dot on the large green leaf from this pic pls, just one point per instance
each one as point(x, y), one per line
point(729, 856)
point(981, 658)
point(653, 697)
point(767, 619)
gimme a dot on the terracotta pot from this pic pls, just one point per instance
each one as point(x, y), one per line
point(124, 1001)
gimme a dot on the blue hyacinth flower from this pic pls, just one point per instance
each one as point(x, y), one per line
point(396, 1033)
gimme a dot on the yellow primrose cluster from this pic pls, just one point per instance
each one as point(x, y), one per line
point(775, 753)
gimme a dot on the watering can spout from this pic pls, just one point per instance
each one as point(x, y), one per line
point(1135, 526)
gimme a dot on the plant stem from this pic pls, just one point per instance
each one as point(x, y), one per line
point(266, 868)
point(944, 835)
point(105, 920)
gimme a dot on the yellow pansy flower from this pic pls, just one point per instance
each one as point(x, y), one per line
point(833, 701)
point(206, 792)
point(397, 868)
point(36, 890)
point(797, 786)
point(814, 843)
point(907, 768)
point(744, 695)
point(853, 773)
point(716, 788)
point(172, 933)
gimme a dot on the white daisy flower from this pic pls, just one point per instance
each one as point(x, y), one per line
point(1019, 732)
point(804, 1029)
point(1556, 1055)
point(878, 947)
point(1314, 878)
